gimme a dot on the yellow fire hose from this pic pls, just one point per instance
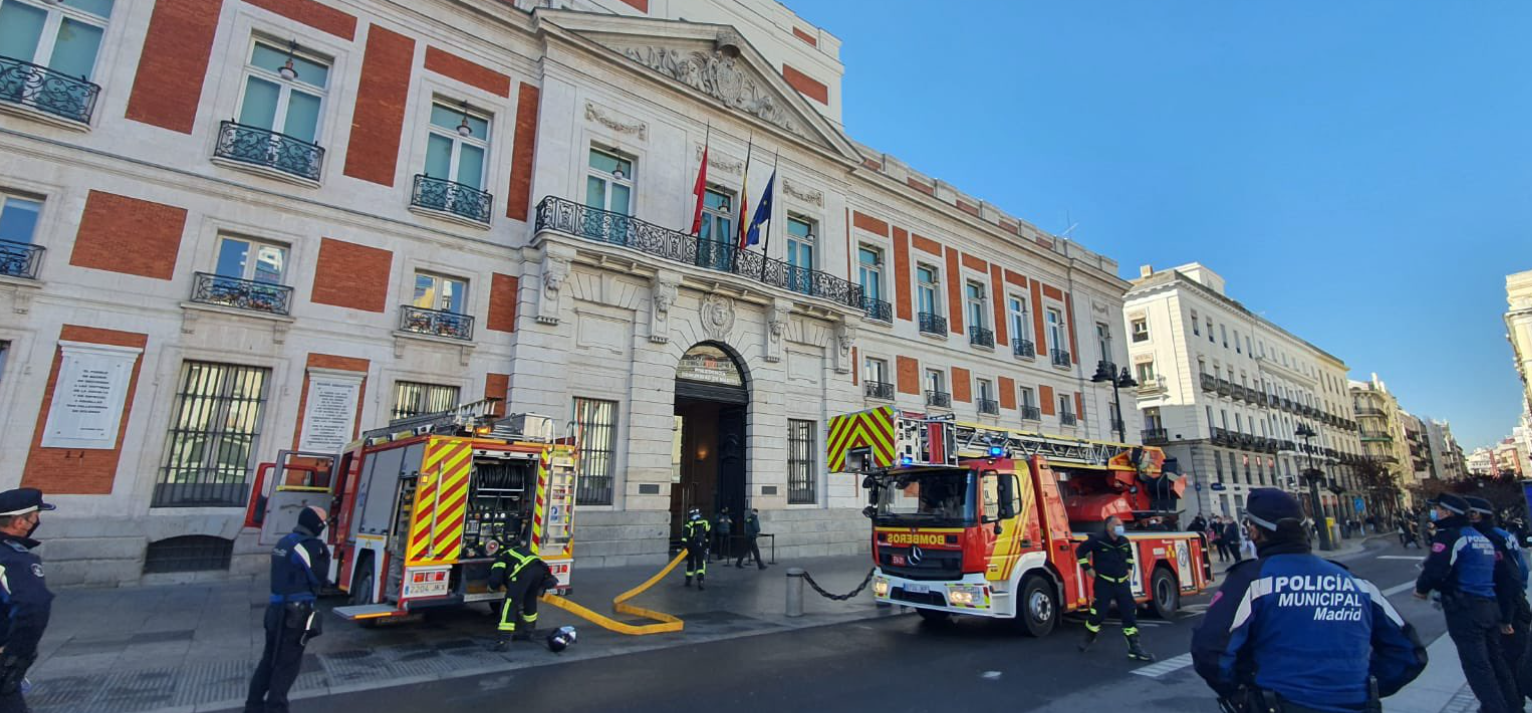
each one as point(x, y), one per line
point(668, 623)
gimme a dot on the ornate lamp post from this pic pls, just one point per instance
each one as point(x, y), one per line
point(1121, 381)
point(1314, 476)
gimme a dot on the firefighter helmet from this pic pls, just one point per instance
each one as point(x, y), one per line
point(561, 638)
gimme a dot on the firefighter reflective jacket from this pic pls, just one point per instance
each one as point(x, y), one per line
point(1112, 558)
point(696, 533)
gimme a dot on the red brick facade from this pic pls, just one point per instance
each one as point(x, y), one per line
point(868, 223)
point(1049, 406)
point(806, 37)
point(954, 293)
point(320, 17)
point(519, 197)
point(901, 276)
point(378, 119)
point(468, 72)
point(1007, 392)
point(962, 385)
point(806, 85)
point(498, 386)
point(908, 374)
point(69, 471)
point(352, 276)
point(168, 87)
point(128, 235)
point(503, 292)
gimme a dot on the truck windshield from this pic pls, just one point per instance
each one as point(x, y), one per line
point(935, 497)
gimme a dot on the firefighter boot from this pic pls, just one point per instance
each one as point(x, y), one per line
point(1090, 638)
point(688, 580)
point(700, 585)
point(1136, 652)
point(502, 644)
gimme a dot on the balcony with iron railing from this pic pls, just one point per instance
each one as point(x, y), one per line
point(878, 390)
point(1060, 358)
point(1068, 419)
point(931, 323)
point(267, 150)
point(33, 87)
point(237, 293)
point(609, 228)
point(450, 198)
point(1236, 391)
point(1152, 385)
point(435, 323)
point(19, 259)
point(1225, 387)
point(981, 337)
point(1023, 348)
point(877, 309)
point(1208, 382)
point(989, 407)
point(939, 399)
point(1370, 411)
point(1031, 413)
point(1221, 436)
point(1155, 436)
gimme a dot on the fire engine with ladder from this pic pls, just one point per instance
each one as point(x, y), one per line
point(419, 509)
point(979, 520)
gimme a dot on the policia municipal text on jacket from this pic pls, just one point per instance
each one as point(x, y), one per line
point(525, 577)
point(25, 602)
point(299, 564)
point(1511, 591)
point(1110, 557)
point(1464, 568)
point(1291, 632)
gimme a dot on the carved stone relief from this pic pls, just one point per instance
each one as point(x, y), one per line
point(803, 193)
point(555, 272)
point(719, 76)
point(664, 289)
point(720, 162)
point(845, 338)
point(717, 316)
point(600, 116)
point(776, 328)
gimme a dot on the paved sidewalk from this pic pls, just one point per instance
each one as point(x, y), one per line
point(192, 647)
point(1441, 688)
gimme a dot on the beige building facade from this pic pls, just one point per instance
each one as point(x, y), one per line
point(1518, 326)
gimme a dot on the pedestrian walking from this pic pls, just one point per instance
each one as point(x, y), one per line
point(723, 529)
point(1461, 568)
point(300, 562)
point(1109, 557)
point(1215, 530)
point(1292, 632)
point(1232, 540)
point(696, 533)
point(525, 577)
point(1404, 533)
point(751, 549)
point(1511, 592)
point(25, 602)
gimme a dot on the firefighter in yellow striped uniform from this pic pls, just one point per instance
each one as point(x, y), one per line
point(525, 577)
point(697, 531)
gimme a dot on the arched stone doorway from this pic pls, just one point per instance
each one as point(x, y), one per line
point(708, 446)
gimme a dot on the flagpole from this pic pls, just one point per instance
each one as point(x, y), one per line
point(744, 205)
point(770, 219)
point(701, 188)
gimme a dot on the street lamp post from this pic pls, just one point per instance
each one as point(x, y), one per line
point(1121, 381)
point(1313, 475)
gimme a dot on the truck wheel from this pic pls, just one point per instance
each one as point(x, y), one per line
point(361, 583)
point(1164, 593)
point(1038, 609)
point(933, 616)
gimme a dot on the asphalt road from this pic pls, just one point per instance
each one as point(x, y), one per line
point(897, 664)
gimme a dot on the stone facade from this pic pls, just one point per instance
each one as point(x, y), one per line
point(1518, 328)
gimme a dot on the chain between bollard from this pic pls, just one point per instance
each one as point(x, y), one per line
point(839, 597)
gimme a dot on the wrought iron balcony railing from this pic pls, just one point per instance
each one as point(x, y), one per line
point(19, 259)
point(1369, 411)
point(989, 406)
point(1237, 392)
point(452, 197)
point(1031, 413)
point(878, 309)
point(1209, 383)
point(602, 226)
point(1221, 436)
point(932, 323)
point(37, 87)
point(1060, 357)
point(1068, 419)
point(939, 398)
point(1023, 348)
point(234, 292)
point(1155, 436)
point(981, 337)
point(878, 390)
point(435, 322)
point(254, 146)
point(1225, 387)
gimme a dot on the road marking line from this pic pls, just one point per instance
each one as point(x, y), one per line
point(1391, 591)
point(1155, 670)
point(1412, 558)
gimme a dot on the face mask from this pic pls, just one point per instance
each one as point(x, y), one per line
point(1433, 516)
point(36, 521)
point(1118, 530)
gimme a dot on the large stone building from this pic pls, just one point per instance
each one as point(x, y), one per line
point(1383, 433)
point(257, 225)
point(1446, 454)
point(1518, 328)
point(1225, 391)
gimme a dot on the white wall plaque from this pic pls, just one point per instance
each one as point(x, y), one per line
point(329, 412)
point(88, 397)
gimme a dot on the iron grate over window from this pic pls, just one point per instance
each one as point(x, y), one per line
point(800, 463)
point(413, 398)
point(188, 553)
point(595, 432)
point(214, 433)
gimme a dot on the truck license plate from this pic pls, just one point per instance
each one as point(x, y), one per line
point(916, 589)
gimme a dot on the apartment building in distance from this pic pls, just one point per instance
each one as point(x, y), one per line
point(1383, 433)
point(1227, 392)
point(1518, 328)
point(233, 227)
point(1446, 454)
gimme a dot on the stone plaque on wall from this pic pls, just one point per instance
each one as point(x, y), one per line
point(89, 395)
point(329, 411)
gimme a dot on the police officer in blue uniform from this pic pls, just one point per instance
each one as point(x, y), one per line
point(300, 562)
point(1461, 566)
point(1289, 631)
point(1510, 591)
point(25, 601)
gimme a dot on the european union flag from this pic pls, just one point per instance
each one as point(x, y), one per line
point(762, 212)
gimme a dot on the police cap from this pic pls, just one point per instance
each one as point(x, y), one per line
point(20, 501)
point(1455, 504)
point(1267, 506)
point(1479, 505)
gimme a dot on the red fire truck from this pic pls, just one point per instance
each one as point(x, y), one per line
point(420, 508)
point(979, 520)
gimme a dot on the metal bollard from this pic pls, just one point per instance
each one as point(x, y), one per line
point(794, 591)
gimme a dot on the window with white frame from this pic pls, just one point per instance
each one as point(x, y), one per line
point(1145, 372)
point(801, 459)
point(214, 435)
point(927, 292)
point(977, 316)
point(1196, 326)
point(413, 398)
point(869, 266)
point(801, 246)
point(875, 370)
point(1016, 312)
point(987, 402)
point(609, 182)
point(248, 274)
point(1211, 339)
point(1028, 402)
point(1055, 330)
point(1141, 329)
point(249, 259)
point(936, 381)
point(457, 147)
point(439, 292)
point(1104, 340)
point(61, 36)
point(284, 90)
point(1066, 407)
point(18, 229)
point(715, 249)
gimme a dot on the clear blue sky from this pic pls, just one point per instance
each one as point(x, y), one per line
point(1359, 171)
